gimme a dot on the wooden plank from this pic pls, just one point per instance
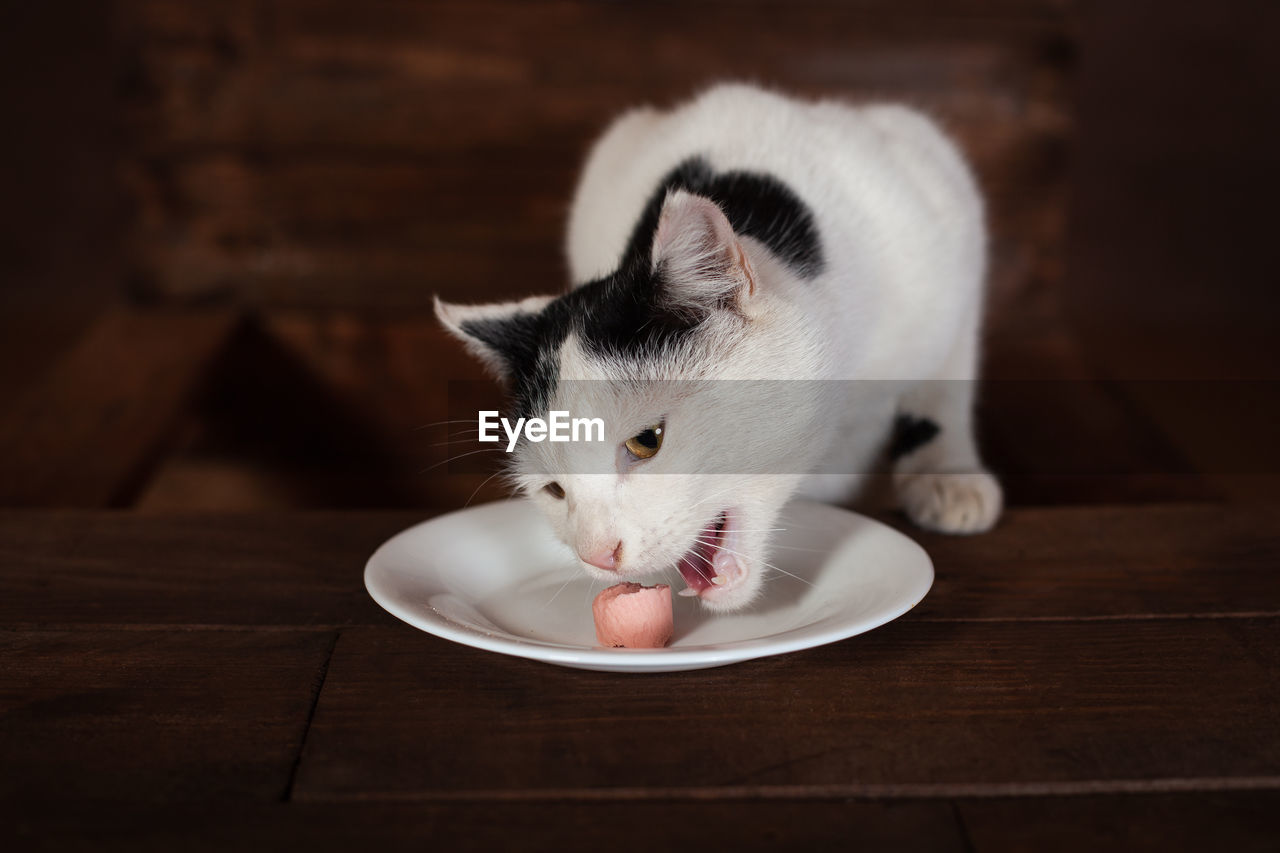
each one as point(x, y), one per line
point(235, 107)
point(117, 569)
point(488, 826)
point(85, 436)
point(306, 230)
point(306, 569)
point(1205, 421)
point(151, 715)
point(205, 19)
point(1107, 562)
point(1057, 433)
point(196, 481)
point(1239, 821)
point(913, 709)
point(238, 83)
point(1204, 820)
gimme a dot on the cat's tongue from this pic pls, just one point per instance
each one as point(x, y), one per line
point(697, 566)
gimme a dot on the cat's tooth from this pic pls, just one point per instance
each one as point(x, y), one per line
point(717, 580)
point(688, 592)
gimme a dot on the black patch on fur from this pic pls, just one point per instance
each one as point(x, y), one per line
point(910, 434)
point(756, 204)
point(618, 314)
point(514, 337)
point(529, 344)
point(622, 313)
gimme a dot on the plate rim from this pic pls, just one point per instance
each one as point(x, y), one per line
point(634, 660)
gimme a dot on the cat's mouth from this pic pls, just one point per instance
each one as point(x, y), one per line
point(711, 565)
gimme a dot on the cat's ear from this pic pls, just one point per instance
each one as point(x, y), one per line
point(699, 259)
point(502, 335)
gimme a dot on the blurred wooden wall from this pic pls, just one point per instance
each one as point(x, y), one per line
point(301, 176)
point(324, 154)
point(280, 186)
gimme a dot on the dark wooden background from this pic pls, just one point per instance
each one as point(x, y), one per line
point(230, 219)
point(221, 226)
point(316, 154)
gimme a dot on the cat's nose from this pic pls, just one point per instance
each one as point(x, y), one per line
point(605, 558)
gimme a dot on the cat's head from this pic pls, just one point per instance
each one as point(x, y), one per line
point(693, 469)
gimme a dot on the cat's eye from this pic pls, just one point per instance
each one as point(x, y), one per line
point(555, 490)
point(646, 443)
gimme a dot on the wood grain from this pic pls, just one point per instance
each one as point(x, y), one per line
point(1243, 821)
point(912, 709)
point(486, 826)
point(321, 154)
point(116, 569)
point(86, 435)
point(1206, 820)
point(1107, 562)
point(306, 569)
point(153, 715)
point(1058, 432)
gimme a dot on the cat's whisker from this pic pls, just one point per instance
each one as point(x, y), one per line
point(757, 529)
point(700, 571)
point(442, 423)
point(702, 557)
point(762, 562)
point(479, 487)
point(715, 495)
point(557, 592)
point(787, 573)
point(591, 588)
point(460, 456)
point(448, 441)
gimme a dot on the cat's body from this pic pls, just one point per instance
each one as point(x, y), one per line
point(749, 236)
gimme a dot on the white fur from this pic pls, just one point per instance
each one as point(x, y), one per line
point(898, 301)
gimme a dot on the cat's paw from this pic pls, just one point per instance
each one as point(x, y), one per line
point(967, 502)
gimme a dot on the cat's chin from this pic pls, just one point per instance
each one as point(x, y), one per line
point(713, 568)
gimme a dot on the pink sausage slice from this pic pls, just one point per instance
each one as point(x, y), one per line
point(633, 616)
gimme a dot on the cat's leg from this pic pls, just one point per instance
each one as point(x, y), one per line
point(939, 479)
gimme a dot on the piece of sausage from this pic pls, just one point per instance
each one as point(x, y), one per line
point(633, 616)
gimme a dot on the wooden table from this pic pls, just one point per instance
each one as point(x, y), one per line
point(1082, 678)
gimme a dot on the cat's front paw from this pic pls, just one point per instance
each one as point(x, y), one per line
point(965, 502)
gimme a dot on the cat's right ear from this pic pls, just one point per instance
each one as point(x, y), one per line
point(502, 335)
point(702, 263)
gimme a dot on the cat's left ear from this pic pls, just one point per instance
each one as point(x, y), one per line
point(502, 335)
point(699, 259)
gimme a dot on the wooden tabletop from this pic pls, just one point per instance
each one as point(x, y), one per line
point(1094, 677)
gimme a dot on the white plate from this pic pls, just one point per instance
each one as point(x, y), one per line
point(494, 577)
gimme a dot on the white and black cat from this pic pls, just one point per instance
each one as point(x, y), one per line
point(749, 236)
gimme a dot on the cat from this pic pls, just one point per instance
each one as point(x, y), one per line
point(832, 255)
